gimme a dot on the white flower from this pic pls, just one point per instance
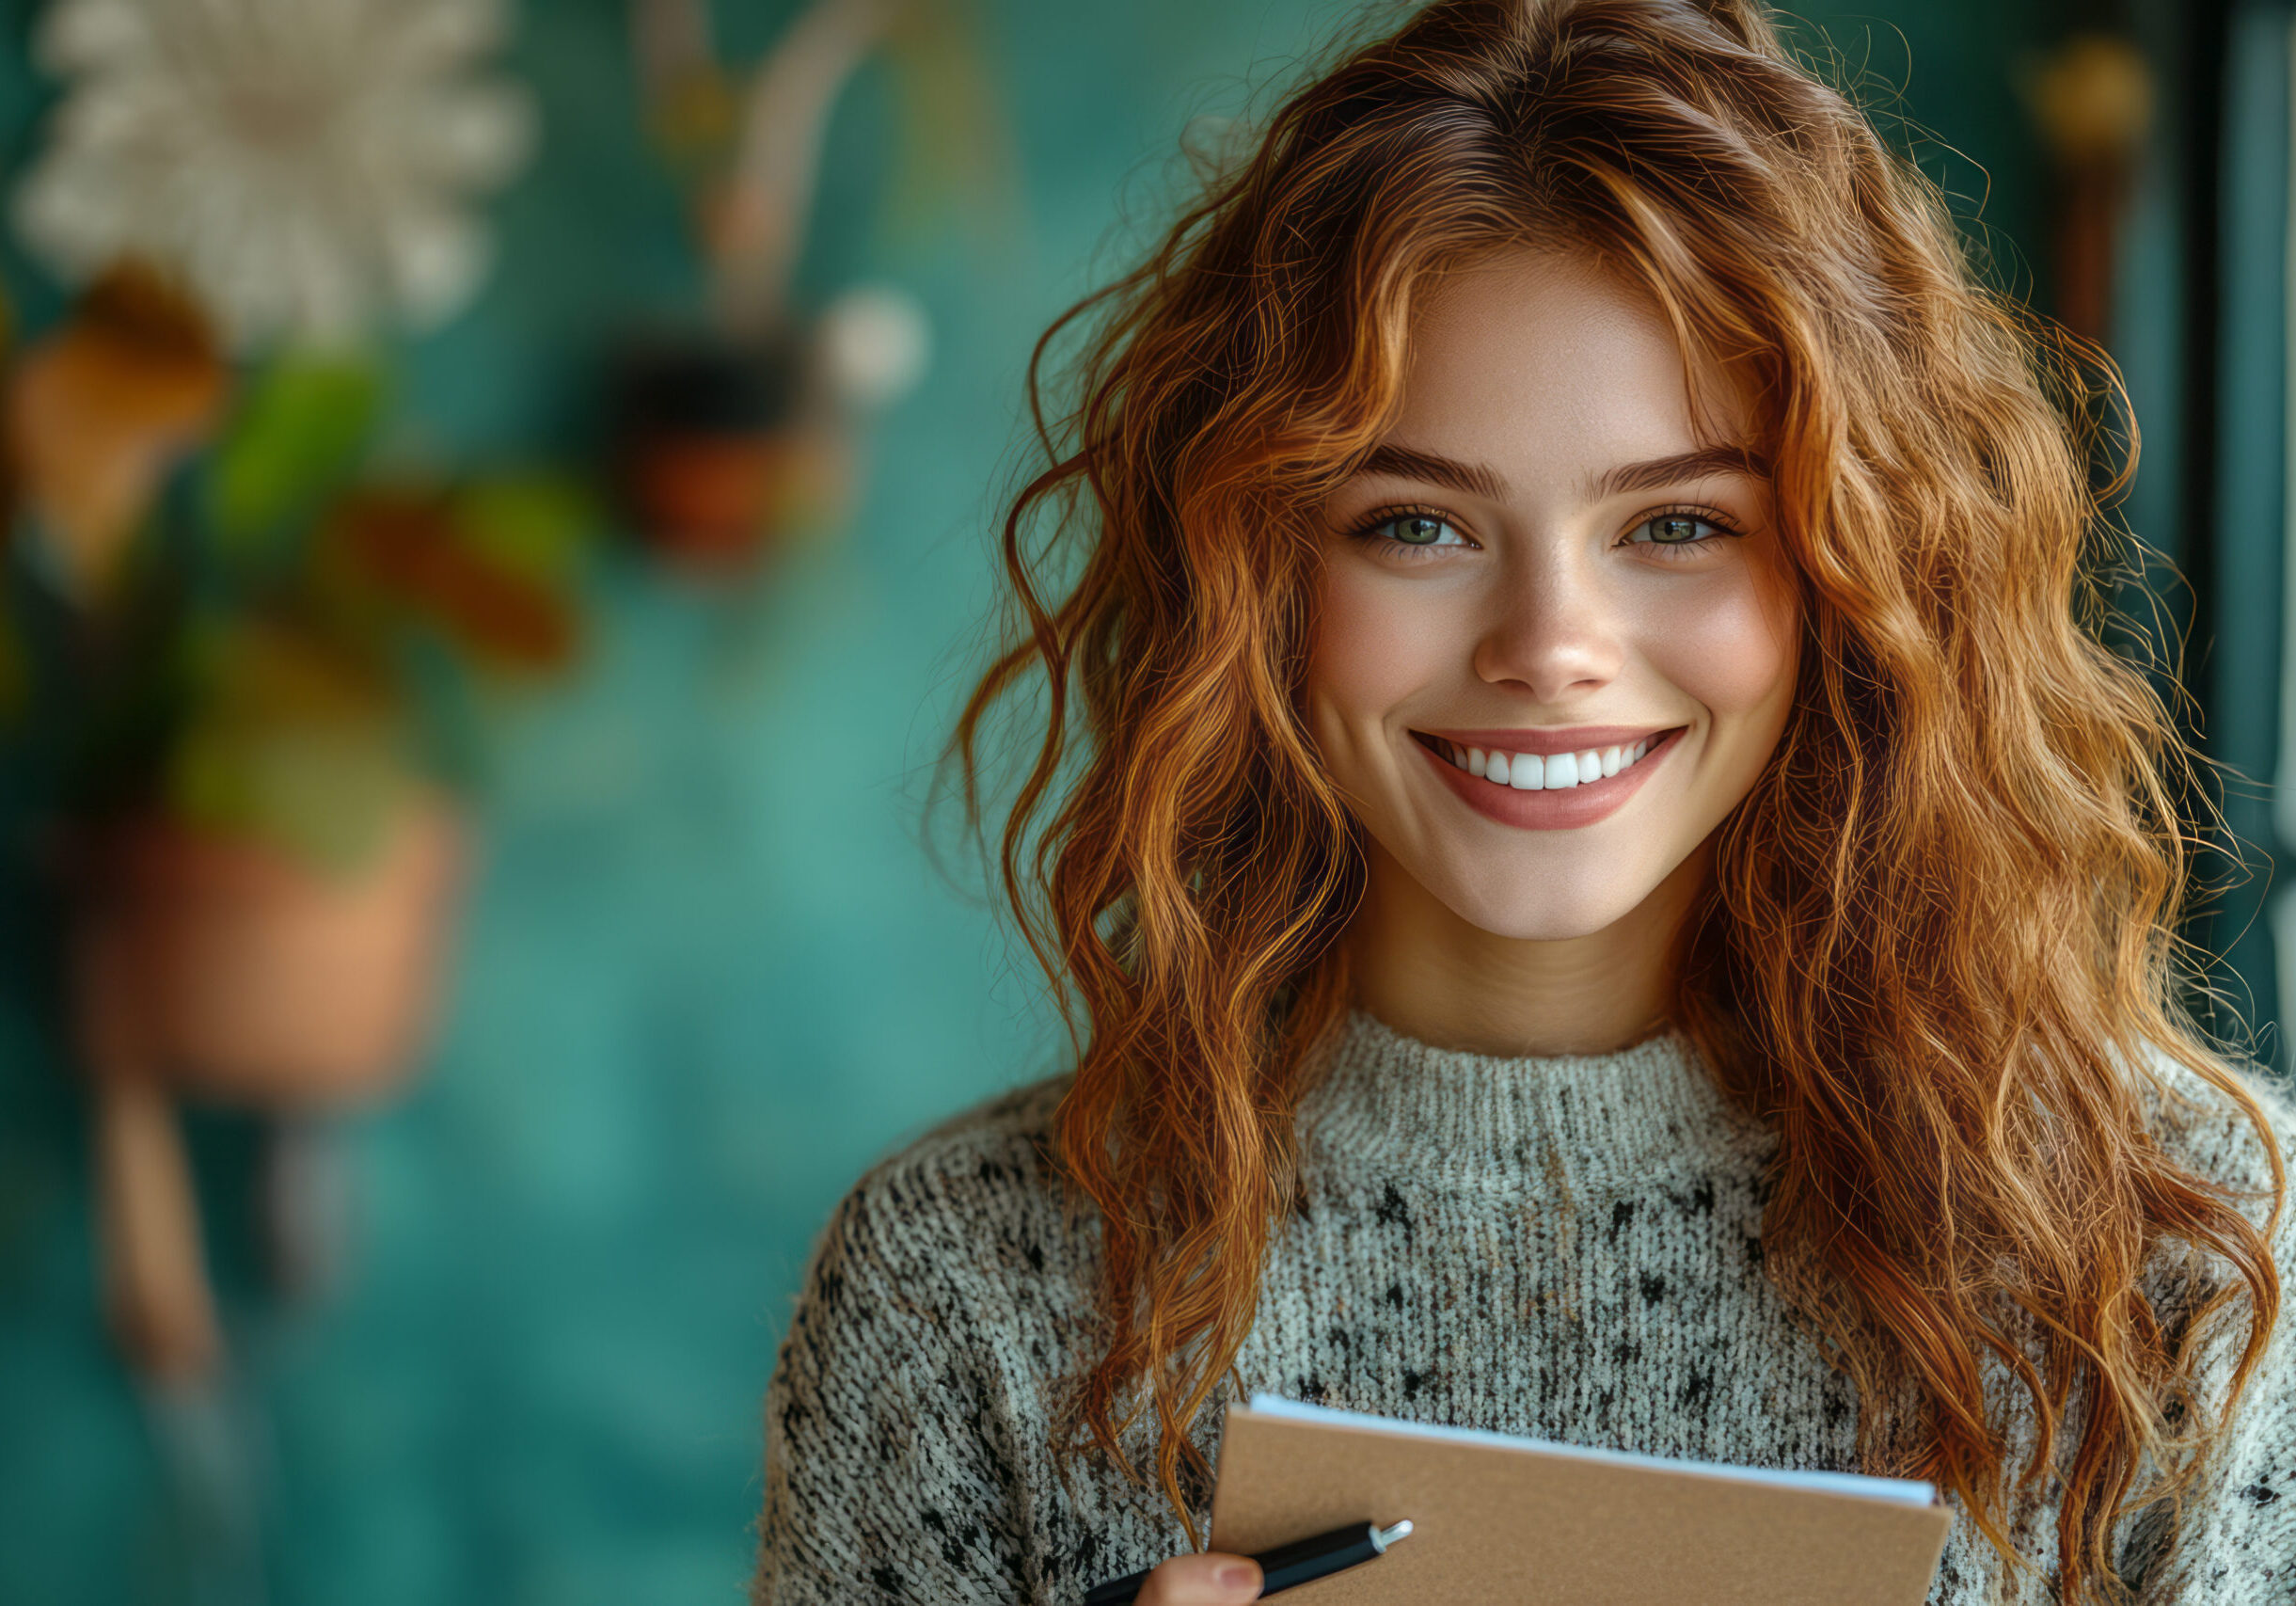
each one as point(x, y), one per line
point(304, 165)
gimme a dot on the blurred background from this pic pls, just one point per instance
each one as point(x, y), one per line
point(499, 505)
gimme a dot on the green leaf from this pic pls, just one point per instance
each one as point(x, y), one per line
point(300, 434)
point(534, 525)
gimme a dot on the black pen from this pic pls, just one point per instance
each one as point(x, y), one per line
point(1285, 1566)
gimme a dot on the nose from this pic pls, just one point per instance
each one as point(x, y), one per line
point(1551, 632)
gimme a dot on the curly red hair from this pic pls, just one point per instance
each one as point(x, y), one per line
point(1939, 947)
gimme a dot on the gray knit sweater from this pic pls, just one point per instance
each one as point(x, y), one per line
point(1567, 1248)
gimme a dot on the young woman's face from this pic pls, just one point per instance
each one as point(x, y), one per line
point(1546, 557)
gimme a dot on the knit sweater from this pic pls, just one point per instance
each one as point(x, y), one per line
point(1563, 1247)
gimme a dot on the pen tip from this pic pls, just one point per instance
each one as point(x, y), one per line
point(1388, 1535)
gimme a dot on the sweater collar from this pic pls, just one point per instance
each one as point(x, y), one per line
point(1478, 1119)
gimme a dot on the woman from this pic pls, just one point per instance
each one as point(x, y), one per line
point(1611, 893)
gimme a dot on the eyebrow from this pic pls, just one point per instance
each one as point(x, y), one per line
point(1408, 463)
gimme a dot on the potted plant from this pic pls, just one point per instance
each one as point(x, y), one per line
point(263, 841)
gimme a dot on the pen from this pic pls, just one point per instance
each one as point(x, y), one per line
point(1285, 1566)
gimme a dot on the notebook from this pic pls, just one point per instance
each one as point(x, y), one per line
point(1499, 1518)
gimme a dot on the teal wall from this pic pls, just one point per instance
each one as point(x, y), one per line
point(705, 973)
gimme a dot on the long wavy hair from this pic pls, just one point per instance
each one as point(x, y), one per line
point(1941, 933)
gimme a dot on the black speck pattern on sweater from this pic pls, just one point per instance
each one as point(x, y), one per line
point(1565, 1247)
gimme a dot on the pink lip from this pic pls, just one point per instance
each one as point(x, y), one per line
point(1551, 739)
point(1561, 810)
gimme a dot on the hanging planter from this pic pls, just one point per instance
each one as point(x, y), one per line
point(265, 846)
point(262, 980)
point(741, 433)
point(229, 970)
point(706, 446)
point(265, 880)
point(266, 652)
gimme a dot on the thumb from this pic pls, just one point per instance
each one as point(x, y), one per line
point(1209, 1579)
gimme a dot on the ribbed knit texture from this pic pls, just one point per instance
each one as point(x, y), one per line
point(1565, 1247)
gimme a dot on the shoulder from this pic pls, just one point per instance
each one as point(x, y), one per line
point(2210, 1134)
point(975, 1202)
point(986, 1165)
point(2243, 1514)
point(901, 1413)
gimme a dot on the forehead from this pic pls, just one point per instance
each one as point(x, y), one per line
point(1543, 362)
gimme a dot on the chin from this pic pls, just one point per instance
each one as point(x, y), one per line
point(1543, 911)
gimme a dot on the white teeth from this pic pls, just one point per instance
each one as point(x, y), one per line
point(1530, 773)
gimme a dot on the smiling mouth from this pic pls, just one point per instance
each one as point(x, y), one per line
point(1531, 772)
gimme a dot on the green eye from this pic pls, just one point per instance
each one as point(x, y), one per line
point(1414, 530)
point(1679, 529)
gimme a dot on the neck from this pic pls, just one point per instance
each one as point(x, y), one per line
point(1435, 978)
point(1577, 1122)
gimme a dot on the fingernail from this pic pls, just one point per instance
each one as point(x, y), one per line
point(1235, 1575)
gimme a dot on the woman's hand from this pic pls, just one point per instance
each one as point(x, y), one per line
point(1211, 1578)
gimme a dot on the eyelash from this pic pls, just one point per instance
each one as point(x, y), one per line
point(1365, 530)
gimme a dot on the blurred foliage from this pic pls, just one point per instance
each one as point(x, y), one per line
point(291, 743)
point(302, 430)
point(265, 661)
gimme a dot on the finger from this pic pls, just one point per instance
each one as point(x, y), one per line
point(1211, 1578)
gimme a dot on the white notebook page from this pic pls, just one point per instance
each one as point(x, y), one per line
point(1901, 1490)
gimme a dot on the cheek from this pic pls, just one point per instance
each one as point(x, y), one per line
point(1374, 645)
point(1733, 650)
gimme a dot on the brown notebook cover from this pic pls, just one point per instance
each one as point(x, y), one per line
point(1497, 1523)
